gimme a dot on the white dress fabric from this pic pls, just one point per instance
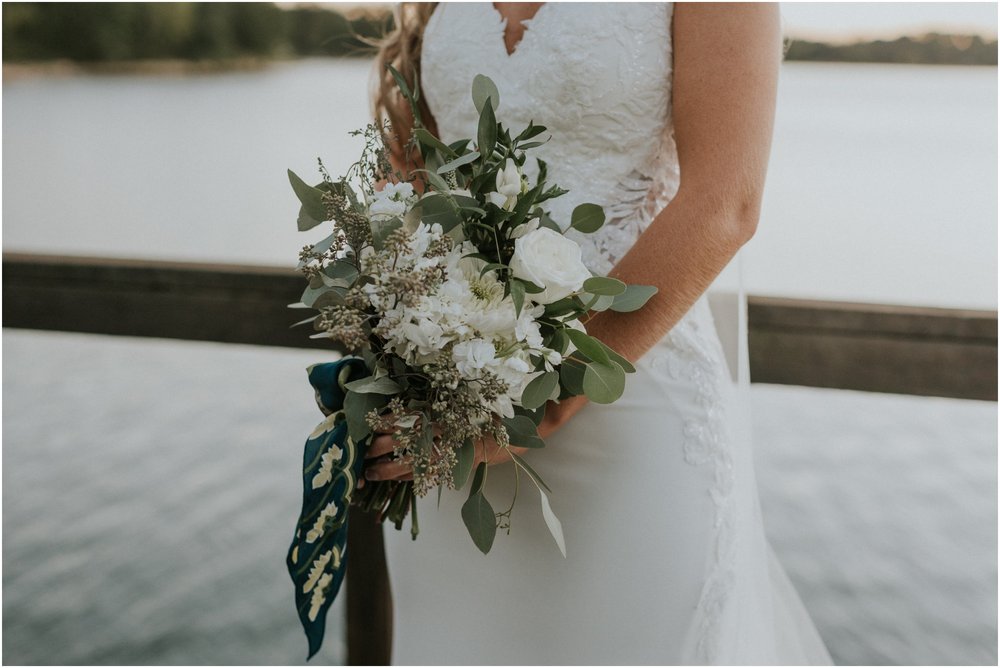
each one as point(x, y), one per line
point(667, 561)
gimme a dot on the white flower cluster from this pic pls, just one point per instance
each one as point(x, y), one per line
point(394, 200)
point(466, 317)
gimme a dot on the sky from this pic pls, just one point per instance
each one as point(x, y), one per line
point(843, 21)
point(847, 21)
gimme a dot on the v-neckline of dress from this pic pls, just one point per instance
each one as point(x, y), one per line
point(527, 24)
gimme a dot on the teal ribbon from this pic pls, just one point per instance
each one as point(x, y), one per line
point(331, 465)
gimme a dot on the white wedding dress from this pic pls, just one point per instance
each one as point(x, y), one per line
point(667, 562)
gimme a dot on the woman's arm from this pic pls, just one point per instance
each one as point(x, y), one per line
point(725, 76)
point(726, 60)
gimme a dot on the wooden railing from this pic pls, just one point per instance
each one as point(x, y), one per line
point(906, 350)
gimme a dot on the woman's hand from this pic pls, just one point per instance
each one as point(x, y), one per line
point(382, 467)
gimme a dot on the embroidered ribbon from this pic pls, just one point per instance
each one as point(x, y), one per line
point(317, 558)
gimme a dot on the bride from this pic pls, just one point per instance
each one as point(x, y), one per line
point(663, 115)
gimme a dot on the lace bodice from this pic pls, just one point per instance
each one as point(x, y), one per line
point(598, 76)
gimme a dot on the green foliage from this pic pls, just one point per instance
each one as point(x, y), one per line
point(928, 49)
point(98, 32)
point(634, 297)
point(484, 89)
point(313, 212)
point(539, 390)
point(604, 285)
point(587, 218)
point(604, 383)
point(478, 514)
point(523, 432)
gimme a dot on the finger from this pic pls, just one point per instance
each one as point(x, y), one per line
point(388, 470)
point(380, 445)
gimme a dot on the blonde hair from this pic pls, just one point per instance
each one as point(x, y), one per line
point(401, 49)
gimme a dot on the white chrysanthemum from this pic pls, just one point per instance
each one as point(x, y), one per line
point(319, 596)
point(325, 473)
point(319, 527)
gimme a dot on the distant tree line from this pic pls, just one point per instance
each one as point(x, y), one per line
point(932, 48)
point(122, 31)
point(96, 32)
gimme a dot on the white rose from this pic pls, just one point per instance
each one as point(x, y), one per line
point(497, 199)
point(526, 228)
point(509, 186)
point(550, 261)
point(509, 179)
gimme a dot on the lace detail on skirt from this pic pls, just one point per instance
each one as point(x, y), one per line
point(697, 357)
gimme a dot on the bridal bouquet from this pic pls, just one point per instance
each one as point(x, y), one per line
point(461, 308)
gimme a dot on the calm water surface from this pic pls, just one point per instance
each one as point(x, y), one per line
point(149, 486)
point(882, 184)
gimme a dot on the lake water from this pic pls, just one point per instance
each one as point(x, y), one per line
point(149, 485)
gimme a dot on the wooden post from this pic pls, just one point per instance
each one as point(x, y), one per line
point(369, 599)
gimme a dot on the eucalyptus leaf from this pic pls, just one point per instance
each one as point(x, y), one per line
point(305, 222)
point(470, 203)
point(547, 221)
point(436, 181)
point(588, 345)
point(517, 295)
point(311, 294)
point(483, 90)
point(342, 270)
point(426, 138)
point(487, 132)
point(311, 198)
point(523, 432)
point(571, 373)
point(491, 266)
point(539, 390)
point(563, 307)
point(333, 296)
point(593, 302)
point(604, 285)
point(530, 287)
point(604, 383)
point(411, 96)
point(381, 230)
point(438, 209)
point(633, 299)
point(559, 342)
point(535, 478)
point(458, 162)
point(478, 514)
point(615, 357)
point(553, 523)
point(356, 408)
point(587, 218)
point(466, 457)
point(372, 385)
point(536, 415)
point(531, 131)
